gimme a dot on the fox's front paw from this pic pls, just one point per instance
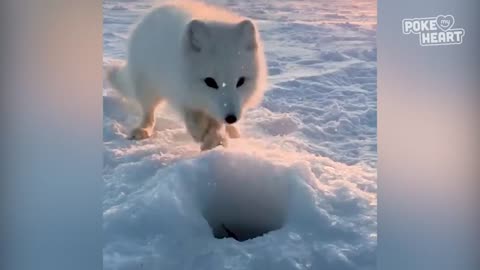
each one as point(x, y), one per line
point(232, 132)
point(212, 140)
point(140, 134)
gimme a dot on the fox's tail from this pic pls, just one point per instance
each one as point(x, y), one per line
point(119, 78)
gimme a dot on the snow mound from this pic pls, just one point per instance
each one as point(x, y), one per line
point(293, 209)
point(246, 197)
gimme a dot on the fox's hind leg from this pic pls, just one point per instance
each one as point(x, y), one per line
point(145, 129)
point(148, 99)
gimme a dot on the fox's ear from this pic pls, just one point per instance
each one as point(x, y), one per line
point(197, 35)
point(248, 34)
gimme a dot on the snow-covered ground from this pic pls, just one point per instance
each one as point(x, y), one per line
point(305, 168)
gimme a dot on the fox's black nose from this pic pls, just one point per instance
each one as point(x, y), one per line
point(230, 119)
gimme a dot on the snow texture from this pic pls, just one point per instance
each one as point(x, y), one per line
point(298, 190)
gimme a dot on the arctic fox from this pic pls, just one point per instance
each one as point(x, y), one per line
point(206, 62)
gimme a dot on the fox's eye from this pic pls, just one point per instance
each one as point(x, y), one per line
point(240, 81)
point(210, 82)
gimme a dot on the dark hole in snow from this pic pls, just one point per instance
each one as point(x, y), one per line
point(242, 230)
point(245, 204)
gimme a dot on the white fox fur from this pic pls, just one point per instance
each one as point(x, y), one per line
point(206, 62)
